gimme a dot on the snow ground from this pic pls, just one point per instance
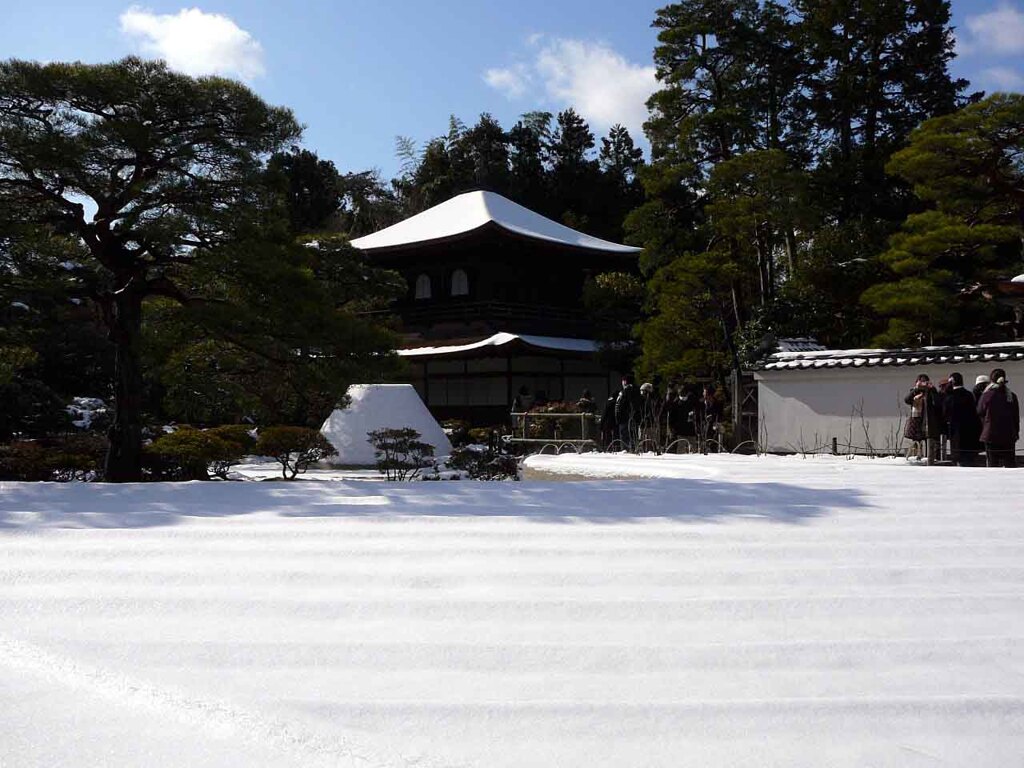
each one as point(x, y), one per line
point(716, 610)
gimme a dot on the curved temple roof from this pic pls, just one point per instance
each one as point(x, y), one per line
point(472, 210)
point(501, 339)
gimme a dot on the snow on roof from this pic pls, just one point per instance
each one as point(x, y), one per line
point(802, 344)
point(845, 358)
point(501, 339)
point(379, 406)
point(472, 210)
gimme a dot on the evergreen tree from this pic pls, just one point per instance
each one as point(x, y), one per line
point(876, 70)
point(312, 188)
point(726, 127)
point(51, 345)
point(968, 168)
point(528, 141)
point(368, 204)
point(621, 191)
point(173, 169)
point(574, 172)
point(486, 146)
point(620, 158)
point(769, 143)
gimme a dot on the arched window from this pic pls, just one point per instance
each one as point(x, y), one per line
point(423, 287)
point(460, 283)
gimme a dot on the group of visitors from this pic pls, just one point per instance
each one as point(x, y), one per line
point(638, 418)
point(986, 418)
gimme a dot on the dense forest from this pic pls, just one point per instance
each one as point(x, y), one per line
point(166, 244)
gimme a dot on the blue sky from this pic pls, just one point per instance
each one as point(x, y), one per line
point(359, 72)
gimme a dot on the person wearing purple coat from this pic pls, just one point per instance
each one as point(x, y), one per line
point(1000, 421)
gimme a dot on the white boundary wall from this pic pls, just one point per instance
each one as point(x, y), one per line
point(803, 410)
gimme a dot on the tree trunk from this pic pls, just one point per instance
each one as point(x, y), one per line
point(124, 457)
point(790, 236)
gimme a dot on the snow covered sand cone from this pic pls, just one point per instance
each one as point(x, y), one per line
point(379, 406)
point(718, 611)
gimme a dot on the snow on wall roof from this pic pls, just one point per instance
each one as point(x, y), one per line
point(802, 344)
point(472, 210)
point(500, 339)
point(857, 358)
point(379, 406)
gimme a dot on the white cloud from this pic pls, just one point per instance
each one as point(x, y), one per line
point(962, 46)
point(194, 42)
point(600, 83)
point(1003, 79)
point(511, 81)
point(997, 32)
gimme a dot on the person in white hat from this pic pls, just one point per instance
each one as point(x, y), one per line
point(980, 385)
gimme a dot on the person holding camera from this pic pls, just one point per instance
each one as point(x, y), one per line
point(925, 423)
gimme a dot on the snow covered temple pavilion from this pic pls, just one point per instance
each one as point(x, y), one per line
point(495, 304)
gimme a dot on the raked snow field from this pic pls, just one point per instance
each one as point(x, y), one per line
point(710, 611)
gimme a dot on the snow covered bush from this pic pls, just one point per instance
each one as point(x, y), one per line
point(294, 448)
point(89, 413)
point(401, 455)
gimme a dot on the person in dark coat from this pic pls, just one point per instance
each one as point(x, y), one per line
point(628, 409)
point(925, 423)
point(708, 416)
point(943, 390)
point(650, 418)
point(586, 403)
point(1000, 421)
point(678, 412)
point(523, 401)
point(609, 430)
point(963, 426)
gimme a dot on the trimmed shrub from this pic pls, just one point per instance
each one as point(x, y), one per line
point(457, 431)
point(23, 460)
point(294, 448)
point(238, 435)
point(187, 453)
point(61, 459)
point(401, 455)
point(29, 408)
point(484, 463)
point(77, 457)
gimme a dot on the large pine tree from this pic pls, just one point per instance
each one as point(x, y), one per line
point(160, 180)
point(968, 168)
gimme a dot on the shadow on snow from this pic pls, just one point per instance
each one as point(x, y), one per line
point(34, 506)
